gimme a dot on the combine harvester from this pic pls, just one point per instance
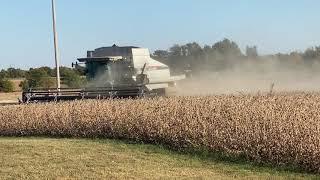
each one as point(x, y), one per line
point(113, 72)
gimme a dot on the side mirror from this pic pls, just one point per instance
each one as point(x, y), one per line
point(74, 64)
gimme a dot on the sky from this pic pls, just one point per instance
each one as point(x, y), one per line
point(26, 38)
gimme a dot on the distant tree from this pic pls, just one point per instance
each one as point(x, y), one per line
point(3, 74)
point(176, 59)
point(64, 71)
point(12, 73)
point(223, 54)
point(37, 78)
point(175, 51)
point(194, 49)
point(194, 56)
point(16, 73)
point(71, 78)
point(49, 71)
point(6, 86)
point(47, 82)
point(161, 54)
point(206, 54)
point(80, 70)
point(312, 53)
point(227, 48)
point(24, 85)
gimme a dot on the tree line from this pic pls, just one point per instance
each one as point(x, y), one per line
point(226, 54)
point(43, 77)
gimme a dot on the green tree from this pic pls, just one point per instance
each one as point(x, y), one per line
point(227, 48)
point(49, 71)
point(162, 54)
point(72, 79)
point(15, 73)
point(175, 51)
point(80, 70)
point(225, 54)
point(24, 85)
point(37, 78)
point(311, 55)
point(176, 58)
point(3, 74)
point(193, 49)
point(6, 86)
point(47, 82)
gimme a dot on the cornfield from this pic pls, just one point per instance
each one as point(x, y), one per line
point(280, 129)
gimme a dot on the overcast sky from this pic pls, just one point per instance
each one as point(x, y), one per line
point(273, 25)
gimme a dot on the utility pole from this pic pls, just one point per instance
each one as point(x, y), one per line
point(56, 51)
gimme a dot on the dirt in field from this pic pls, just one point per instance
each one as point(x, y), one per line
point(9, 98)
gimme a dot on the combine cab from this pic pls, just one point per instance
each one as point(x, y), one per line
point(113, 72)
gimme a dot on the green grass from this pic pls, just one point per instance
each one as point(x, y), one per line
point(39, 158)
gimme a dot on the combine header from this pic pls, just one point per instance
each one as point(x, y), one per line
point(65, 94)
point(113, 72)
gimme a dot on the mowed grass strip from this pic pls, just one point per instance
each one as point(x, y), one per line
point(43, 158)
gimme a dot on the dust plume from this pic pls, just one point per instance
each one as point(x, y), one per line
point(253, 77)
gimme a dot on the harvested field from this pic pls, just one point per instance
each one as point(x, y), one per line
point(282, 129)
point(10, 96)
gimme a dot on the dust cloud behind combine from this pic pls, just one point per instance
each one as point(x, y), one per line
point(253, 77)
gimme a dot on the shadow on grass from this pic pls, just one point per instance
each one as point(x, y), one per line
point(207, 156)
